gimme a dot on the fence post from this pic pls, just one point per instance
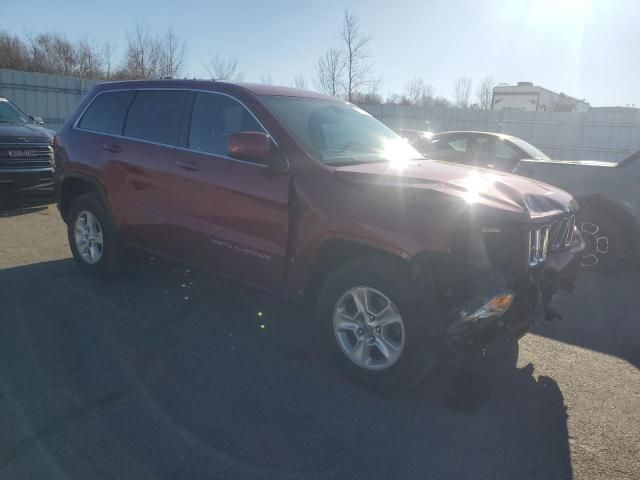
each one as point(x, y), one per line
point(578, 147)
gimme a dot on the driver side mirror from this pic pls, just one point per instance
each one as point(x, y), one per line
point(256, 147)
point(37, 120)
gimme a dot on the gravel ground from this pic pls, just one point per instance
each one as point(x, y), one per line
point(172, 373)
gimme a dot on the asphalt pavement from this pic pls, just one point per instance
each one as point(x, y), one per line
point(168, 372)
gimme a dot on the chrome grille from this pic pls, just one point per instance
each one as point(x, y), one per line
point(538, 245)
point(561, 232)
point(20, 156)
point(554, 236)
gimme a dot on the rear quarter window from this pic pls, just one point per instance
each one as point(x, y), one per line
point(106, 113)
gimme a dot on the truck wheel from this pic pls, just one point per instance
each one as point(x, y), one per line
point(372, 328)
point(92, 236)
point(604, 239)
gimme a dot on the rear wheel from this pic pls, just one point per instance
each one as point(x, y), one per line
point(371, 327)
point(92, 236)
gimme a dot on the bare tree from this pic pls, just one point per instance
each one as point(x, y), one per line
point(355, 50)
point(224, 69)
point(329, 70)
point(371, 98)
point(143, 54)
point(397, 99)
point(462, 91)
point(299, 82)
point(13, 52)
point(484, 93)
point(107, 54)
point(146, 56)
point(419, 92)
point(441, 102)
point(266, 79)
point(51, 53)
point(172, 54)
point(89, 58)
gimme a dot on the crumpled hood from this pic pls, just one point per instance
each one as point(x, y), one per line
point(24, 133)
point(503, 191)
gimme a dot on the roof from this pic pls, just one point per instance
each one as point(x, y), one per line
point(263, 89)
point(254, 88)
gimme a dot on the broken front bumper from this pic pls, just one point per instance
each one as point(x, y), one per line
point(504, 310)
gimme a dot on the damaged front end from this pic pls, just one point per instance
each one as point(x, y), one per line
point(497, 280)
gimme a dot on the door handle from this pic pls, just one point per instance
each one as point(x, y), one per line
point(189, 165)
point(113, 148)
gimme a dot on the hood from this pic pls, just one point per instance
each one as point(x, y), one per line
point(503, 191)
point(24, 133)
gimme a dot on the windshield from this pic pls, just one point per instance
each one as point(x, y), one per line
point(529, 149)
point(9, 113)
point(338, 133)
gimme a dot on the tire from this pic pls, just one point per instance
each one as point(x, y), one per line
point(105, 264)
point(605, 241)
point(410, 345)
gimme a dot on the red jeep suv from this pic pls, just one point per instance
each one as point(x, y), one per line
point(402, 259)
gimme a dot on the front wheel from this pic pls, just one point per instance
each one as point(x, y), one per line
point(372, 328)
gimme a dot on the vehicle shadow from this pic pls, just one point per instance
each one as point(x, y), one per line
point(170, 373)
point(601, 316)
point(14, 206)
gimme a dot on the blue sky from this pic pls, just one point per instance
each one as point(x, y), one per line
point(586, 48)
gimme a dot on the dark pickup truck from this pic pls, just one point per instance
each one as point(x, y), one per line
point(402, 260)
point(26, 153)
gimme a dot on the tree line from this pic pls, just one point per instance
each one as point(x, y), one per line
point(345, 70)
point(145, 55)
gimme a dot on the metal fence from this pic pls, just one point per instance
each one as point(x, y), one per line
point(52, 97)
point(571, 136)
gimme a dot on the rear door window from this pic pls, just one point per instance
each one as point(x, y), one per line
point(106, 113)
point(158, 116)
point(215, 117)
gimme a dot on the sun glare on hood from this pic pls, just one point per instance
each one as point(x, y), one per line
point(475, 183)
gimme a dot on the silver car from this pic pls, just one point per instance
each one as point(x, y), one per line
point(608, 192)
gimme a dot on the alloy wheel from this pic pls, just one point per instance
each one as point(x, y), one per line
point(88, 237)
point(369, 328)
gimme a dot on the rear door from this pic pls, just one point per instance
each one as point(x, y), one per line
point(137, 166)
point(231, 216)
